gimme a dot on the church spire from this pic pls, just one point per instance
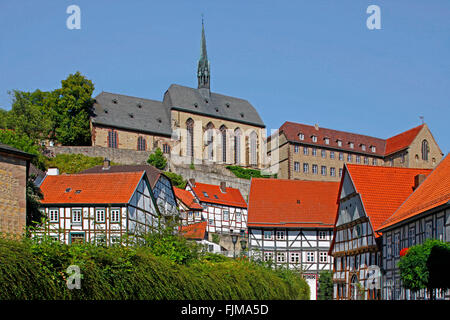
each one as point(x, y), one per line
point(203, 69)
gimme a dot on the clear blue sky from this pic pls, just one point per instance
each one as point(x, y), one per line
point(309, 61)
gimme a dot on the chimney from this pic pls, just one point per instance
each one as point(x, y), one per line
point(223, 186)
point(106, 164)
point(192, 182)
point(316, 126)
point(418, 179)
point(53, 171)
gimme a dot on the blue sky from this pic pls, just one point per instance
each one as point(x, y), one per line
point(302, 61)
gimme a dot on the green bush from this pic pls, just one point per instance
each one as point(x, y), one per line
point(32, 270)
point(245, 173)
point(157, 159)
point(177, 180)
point(73, 163)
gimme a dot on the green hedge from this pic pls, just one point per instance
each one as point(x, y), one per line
point(37, 271)
point(245, 173)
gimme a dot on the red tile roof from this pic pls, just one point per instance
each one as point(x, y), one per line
point(431, 193)
point(275, 203)
point(232, 197)
point(402, 140)
point(195, 231)
point(382, 189)
point(102, 188)
point(383, 147)
point(187, 198)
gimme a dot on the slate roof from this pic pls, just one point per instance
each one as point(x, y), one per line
point(432, 193)
point(382, 189)
point(112, 188)
point(292, 203)
point(232, 197)
point(11, 150)
point(132, 113)
point(218, 106)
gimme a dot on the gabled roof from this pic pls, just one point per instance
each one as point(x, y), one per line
point(292, 203)
point(402, 140)
point(11, 150)
point(382, 189)
point(108, 188)
point(187, 198)
point(152, 172)
point(196, 231)
point(232, 197)
point(433, 192)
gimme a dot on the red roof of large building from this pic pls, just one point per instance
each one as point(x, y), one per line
point(101, 188)
point(382, 147)
point(212, 194)
point(431, 193)
point(382, 189)
point(194, 231)
point(187, 198)
point(292, 203)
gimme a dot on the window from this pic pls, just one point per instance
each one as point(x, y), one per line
point(341, 156)
point(296, 166)
point(314, 152)
point(314, 139)
point(358, 159)
point(323, 170)
point(349, 157)
point(280, 235)
point(310, 257)
point(428, 229)
point(205, 194)
point(253, 147)
point(333, 172)
point(53, 215)
point(322, 235)
point(301, 136)
point(100, 215)
point(190, 216)
point(238, 217)
point(76, 216)
point(226, 215)
point(388, 247)
point(166, 148)
point(425, 150)
point(374, 162)
point(197, 214)
point(331, 154)
point(268, 235)
point(305, 151)
point(314, 168)
point(323, 153)
point(190, 137)
point(351, 145)
point(115, 215)
point(112, 138)
point(268, 256)
point(363, 147)
point(327, 140)
point(373, 148)
point(411, 236)
point(296, 147)
point(340, 172)
point(141, 144)
point(223, 131)
point(305, 168)
point(211, 222)
point(397, 244)
point(77, 237)
point(366, 160)
point(339, 143)
point(281, 256)
point(295, 257)
point(237, 146)
point(323, 257)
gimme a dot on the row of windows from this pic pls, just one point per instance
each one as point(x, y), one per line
point(141, 142)
point(332, 155)
point(77, 215)
point(281, 235)
point(294, 257)
point(315, 169)
point(326, 140)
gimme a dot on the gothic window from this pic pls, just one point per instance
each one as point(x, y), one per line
point(425, 150)
point(237, 146)
point(223, 131)
point(166, 148)
point(210, 140)
point(253, 148)
point(141, 144)
point(112, 138)
point(190, 137)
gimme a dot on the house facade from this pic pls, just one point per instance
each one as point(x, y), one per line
point(315, 153)
point(98, 208)
point(424, 215)
point(190, 209)
point(290, 223)
point(368, 195)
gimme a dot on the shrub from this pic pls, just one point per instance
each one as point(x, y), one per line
point(177, 180)
point(157, 159)
point(245, 173)
point(73, 163)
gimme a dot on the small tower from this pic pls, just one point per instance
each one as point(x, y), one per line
point(203, 69)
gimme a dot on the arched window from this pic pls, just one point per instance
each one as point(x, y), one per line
point(141, 144)
point(112, 138)
point(210, 140)
point(223, 131)
point(190, 138)
point(253, 148)
point(237, 146)
point(425, 150)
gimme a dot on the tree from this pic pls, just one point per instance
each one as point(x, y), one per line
point(157, 159)
point(176, 179)
point(33, 195)
point(325, 290)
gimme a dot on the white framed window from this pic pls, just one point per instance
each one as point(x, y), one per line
point(363, 147)
point(305, 151)
point(53, 215)
point(268, 256)
point(323, 153)
point(115, 215)
point(366, 160)
point(301, 136)
point(339, 143)
point(310, 257)
point(226, 215)
point(373, 148)
point(76, 216)
point(323, 170)
point(322, 235)
point(351, 145)
point(314, 168)
point(305, 168)
point(349, 157)
point(296, 166)
point(340, 172)
point(323, 257)
point(268, 235)
point(296, 148)
point(331, 154)
point(314, 151)
point(238, 216)
point(374, 161)
point(333, 172)
point(281, 256)
point(100, 215)
point(341, 156)
point(197, 214)
point(314, 138)
point(190, 215)
point(358, 159)
point(327, 140)
point(280, 235)
point(295, 257)
point(211, 222)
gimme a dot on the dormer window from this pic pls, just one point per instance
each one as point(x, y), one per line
point(351, 145)
point(373, 149)
point(301, 136)
point(327, 140)
point(339, 143)
point(114, 101)
point(205, 194)
point(314, 138)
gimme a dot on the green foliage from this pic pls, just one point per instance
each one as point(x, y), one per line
point(73, 163)
point(413, 266)
point(245, 173)
point(157, 159)
point(33, 196)
point(37, 269)
point(176, 179)
point(215, 238)
point(325, 289)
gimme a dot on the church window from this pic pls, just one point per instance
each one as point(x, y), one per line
point(253, 148)
point(112, 138)
point(210, 140)
point(223, 131)
point(190, 137)
point(425, 150)
point(237, 146)
point(166, 148)
point(141, 144)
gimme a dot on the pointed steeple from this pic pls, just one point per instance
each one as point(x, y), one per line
point(203, 69)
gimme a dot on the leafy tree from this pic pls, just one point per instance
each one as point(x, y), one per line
point(24, 143)
point(325, 290)
point(34, 195)
point(157, 159)
point(176, 179)
point(3, 118)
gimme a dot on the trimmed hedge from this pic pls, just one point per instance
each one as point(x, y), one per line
point(29, 270)
point(246, 173)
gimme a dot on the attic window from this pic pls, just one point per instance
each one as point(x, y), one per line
point(159, 120)
point(205, 194)
point(301, 136)
point(131, 115)
point(139, 105)
point(217, 109)
point(195, 105)
point(68, 189)
point(242, 114)
point(78, 191)
point(351, 145)
point(106, 110)
point(314, 138)
point(114, 101)
point(227, 105)
point(206, 100)
point(339, 143)
point(216, 197)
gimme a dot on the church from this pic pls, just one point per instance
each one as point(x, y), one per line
point(190, 125)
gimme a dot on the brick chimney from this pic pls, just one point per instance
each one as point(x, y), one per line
point(418, 179)
point(223, 186)
point(106, 164)
point(192, 182)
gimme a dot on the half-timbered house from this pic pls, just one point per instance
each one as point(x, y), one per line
point(368, 195)
point(190, 209)
point(290, 223)
point(99, 208)
point(424, 215)
point(197, 232)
